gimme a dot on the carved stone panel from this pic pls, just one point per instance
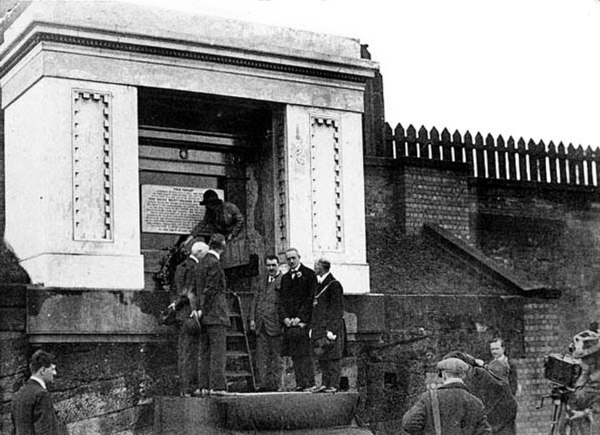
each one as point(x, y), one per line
point(92, 166)
point(326, 182)
point(281, 213)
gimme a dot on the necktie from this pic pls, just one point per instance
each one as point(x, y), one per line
point(271, 279)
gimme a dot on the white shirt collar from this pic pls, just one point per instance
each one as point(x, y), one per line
point(39, 381)
point(296, 268)
point(453, 381)
point(320, 279)
point(194, 258)
point(215, 253)
point(502, 358)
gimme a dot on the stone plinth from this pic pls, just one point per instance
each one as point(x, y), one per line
point(289, 413)
point(71, 315)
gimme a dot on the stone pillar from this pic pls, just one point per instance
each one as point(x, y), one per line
point(325, 192)
point(72, 214)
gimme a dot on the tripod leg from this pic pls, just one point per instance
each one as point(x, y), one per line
point(558, 405)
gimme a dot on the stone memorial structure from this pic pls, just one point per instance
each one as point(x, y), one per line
point(118, 117)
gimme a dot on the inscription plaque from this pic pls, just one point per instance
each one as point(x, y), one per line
point(172, 209)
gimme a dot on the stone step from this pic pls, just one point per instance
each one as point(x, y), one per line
point(259, 413)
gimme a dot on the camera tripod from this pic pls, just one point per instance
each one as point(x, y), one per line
point(564, 420)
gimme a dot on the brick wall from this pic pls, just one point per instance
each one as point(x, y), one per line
point(545, 235)
point(437, 194)
point(403, 194)
point(542, 337)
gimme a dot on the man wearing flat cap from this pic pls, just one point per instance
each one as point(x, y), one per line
point(494, 391)
point(449, 409)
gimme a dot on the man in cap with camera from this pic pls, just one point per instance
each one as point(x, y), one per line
point(449, 409)
point(585, 403)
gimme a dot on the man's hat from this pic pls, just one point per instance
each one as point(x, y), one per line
point(209, 197)
point(453, 365)
point(586, 343)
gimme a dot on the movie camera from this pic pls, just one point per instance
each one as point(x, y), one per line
point(562, 371)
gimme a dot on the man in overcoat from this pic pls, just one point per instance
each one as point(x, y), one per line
point(327, 326)
point(458, 411)
point(189, 328)
point(297, 291)
point(210, 306)
point(32, 408)
point(265, 322)
point(494, 391)
point(221, 217)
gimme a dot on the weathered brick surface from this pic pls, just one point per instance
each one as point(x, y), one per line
point(547, 235)
point(402, 197)
point(436, 195)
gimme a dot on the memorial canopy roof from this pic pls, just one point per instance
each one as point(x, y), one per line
point(127, 27)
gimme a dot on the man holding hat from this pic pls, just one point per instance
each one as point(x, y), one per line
point(186, 277)
point(449, 409)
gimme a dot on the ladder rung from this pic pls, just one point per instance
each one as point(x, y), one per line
point(235, 334)
point(237, 374)
point(236, 353)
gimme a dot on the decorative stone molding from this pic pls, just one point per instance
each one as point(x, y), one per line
point(326, 181)
point(40, 37)
point(280, 179)
point(92, 166)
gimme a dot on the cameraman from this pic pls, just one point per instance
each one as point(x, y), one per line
point(586, 397)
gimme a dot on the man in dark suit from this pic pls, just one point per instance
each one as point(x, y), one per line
point(264, 321)
point(327, 327)
point(32, 409)
point(209, 304)
point(450, 407)
point(297, 291)
point(502, 365)
point(189, 328)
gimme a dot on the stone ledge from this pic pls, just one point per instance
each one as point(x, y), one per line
point(289, 413)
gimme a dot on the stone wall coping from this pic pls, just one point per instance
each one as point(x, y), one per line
point(536, 186)
point(481, 262)
point(122, 22)
point(463, 168)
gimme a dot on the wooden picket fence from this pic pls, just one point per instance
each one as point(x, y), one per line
point(496, 158)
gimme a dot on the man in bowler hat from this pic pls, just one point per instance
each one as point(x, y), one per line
point(221, 217)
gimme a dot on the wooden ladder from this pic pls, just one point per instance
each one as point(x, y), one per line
point(239, 371)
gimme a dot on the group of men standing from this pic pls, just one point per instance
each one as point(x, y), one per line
point(299, 314)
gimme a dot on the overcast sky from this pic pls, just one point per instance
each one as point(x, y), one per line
point(526, 68)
